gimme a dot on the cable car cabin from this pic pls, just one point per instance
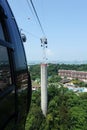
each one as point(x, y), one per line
point(15, 83)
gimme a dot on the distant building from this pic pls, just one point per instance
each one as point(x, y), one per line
point(73, 74)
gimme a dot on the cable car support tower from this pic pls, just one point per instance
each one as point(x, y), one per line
point(43, 65)
point(44, 78)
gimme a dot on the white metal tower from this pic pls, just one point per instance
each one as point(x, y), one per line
point(44, 78)
point(44, 88)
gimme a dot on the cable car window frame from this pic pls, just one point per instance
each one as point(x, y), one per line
point(6, 44)
point(2, 12)
point(11, 86)
point(9, 47)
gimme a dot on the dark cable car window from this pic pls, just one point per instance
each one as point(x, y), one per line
point(5, 75)
point(7, 87)
point(14, 78)
point(1, 32)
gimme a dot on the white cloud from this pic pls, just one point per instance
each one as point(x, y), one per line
point(49, 52)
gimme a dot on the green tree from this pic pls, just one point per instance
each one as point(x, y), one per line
point(66, 110)
point(77, 118)
point(54, 79)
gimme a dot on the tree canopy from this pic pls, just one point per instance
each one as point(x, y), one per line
point(53, 69)
point(66, 110)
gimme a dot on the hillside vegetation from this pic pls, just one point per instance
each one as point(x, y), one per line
point(53, 69)
point(66, 111)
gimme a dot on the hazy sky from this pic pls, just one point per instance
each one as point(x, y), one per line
point(64, 23)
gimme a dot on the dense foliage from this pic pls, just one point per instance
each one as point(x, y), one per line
point(35, 71)
point(66, 111)
point(53, 69)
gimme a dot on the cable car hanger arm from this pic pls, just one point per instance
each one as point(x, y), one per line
point(6, 44)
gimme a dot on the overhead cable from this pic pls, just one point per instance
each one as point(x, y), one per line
point(35, 36)
point(30, 7)
point(37, 17)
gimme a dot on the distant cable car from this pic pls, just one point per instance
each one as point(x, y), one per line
point(15, 82)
